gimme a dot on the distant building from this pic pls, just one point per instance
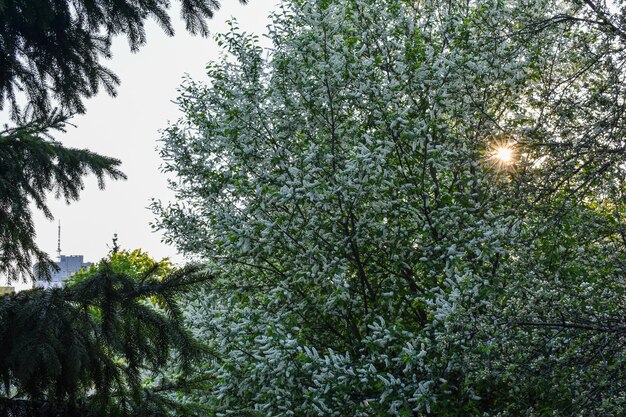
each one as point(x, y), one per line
point(68, 266)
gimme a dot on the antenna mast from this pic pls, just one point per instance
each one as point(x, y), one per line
point(59, 242)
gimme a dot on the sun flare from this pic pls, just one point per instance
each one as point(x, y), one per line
point(503, 155)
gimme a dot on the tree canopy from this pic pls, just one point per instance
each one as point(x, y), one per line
point(415, 208)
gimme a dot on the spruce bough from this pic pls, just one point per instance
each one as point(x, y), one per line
point(32, 164)
point(84, 350)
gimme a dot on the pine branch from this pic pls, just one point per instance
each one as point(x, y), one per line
point(52, 50)
point(32, 164)
point(86, 347)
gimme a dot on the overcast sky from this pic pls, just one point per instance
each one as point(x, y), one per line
point(127, 127)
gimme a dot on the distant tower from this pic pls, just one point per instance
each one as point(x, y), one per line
point(66, 267)
point(59, 242)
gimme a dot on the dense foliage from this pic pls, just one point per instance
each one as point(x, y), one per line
point(52, 50)
point(375, 254)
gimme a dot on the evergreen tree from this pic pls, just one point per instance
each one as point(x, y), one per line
point(53, 49)
point(83, 350)
point(50, 52)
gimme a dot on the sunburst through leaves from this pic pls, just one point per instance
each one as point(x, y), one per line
point(503, 155)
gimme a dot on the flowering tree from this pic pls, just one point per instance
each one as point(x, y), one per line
point(398, 209)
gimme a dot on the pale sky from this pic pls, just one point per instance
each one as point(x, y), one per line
point(127, 127)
